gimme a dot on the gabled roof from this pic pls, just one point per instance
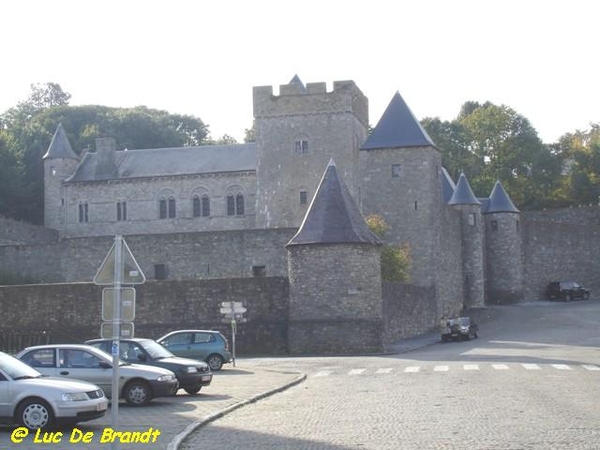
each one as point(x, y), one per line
point(333, 217)
point(398, 127)
point(500, 201)
point(448, 185)
point(463, 194)
point(60, 146)
point(171, 162)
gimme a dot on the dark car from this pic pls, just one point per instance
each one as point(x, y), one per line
point(206, 345)
point(459, 328)
point(191, 374)
point(566, 290)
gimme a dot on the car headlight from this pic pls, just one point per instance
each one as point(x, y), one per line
point(74, 396)
point(166, 378)
point(191, 369)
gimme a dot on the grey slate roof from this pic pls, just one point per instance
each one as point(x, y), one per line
point(59, 146)
point(448, 185)
point(170, 162)
point(333, 217)
point(463, 194)
point(296, 80)
point(398, 127)
point(500, 201)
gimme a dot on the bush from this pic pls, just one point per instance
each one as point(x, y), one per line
point(395, 260)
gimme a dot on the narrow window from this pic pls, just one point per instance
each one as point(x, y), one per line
point(301, 147)
point(171, 208)
point(205, 206)
point(494, 224)
point(416, 205)
point(230, 205)
point(396, 170)
point(518, 226)
point(162, 208)
point(83, 212)
point(53, 171)
point(303, 197)
point(239, 205)
point(121, 211)
point(472, 219)
point(196, 207)
point(160, 272)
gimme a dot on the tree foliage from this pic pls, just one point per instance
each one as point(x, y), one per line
point(395, 260)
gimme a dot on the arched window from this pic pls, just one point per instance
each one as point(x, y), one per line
point(201, 206)
point(239, 205)
point(171, 208)
point(162, 208)
point(196, 207)
point(205, 206)
point(230, 205)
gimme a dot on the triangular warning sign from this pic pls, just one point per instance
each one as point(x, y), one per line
point(130, 272)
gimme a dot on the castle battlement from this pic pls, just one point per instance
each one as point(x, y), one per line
point(312, 98)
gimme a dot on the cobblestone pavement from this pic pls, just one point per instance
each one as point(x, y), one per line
point(175, 416)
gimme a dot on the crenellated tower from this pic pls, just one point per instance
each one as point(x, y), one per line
point(471, 225)
point(297, 132)
point(504, 248)
point(60, 162)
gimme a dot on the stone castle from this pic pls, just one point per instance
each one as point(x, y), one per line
point(292, 204)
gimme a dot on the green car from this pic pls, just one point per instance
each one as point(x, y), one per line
point(206, 345)
point(191, 374)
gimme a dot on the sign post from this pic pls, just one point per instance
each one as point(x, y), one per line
point(234, 312)
point(119, 267)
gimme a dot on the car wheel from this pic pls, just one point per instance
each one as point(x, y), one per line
point(34, 414)
point(567, 297)
point(193, 391)
point(215, 362)
point(137, 393)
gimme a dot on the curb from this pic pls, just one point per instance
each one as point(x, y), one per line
point(178, 439)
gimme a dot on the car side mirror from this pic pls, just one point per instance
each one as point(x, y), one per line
point(105, 365)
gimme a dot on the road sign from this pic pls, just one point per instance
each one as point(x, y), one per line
point(131, 273)
point(126, 330)
point(127, 304)
point(232, 308)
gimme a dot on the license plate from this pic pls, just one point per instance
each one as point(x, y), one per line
point(206, 378)
point(101, 406)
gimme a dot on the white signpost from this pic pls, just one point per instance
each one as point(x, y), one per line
point(233, 312)
point(119, 267)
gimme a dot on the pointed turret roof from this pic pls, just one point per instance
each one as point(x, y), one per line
point(296, 80)
point(463, 194)
point(398, 127)
point(500, 201)
point(60, 146)
point(333, 217)
point(448, 185)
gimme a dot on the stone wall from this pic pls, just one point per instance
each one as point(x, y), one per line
point(219, 254)
point(13, 232)
point(73, 312)
point(408, 311)
point(560, 252)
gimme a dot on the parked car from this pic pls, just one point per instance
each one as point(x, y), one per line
point(191, 374)
point(459, 328)
point(29, 399)
point(137, 384)
point(210, 346)
point(566, 290)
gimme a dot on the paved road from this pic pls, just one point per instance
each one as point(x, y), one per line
point(532, 381)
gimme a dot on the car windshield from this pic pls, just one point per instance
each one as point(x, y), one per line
point(155, 350)
point(16, 369)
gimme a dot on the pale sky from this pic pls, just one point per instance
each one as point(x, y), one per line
point(202, 58)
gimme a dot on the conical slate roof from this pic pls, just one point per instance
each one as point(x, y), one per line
point(463, 194)
point(448, 186)
point(60, 146)
point(398, 127)
point(333, 217)
point(296, 80)
point(500, 201)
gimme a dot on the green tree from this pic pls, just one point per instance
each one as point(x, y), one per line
point(395, 260)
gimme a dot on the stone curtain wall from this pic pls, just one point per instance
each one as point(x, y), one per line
point(560, 252)
point(206, 255)
point(73, 312)
point(13, 232)
point(408, 311)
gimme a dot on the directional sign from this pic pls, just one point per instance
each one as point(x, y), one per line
point(131, 273)
point(127, 304)
point(232, 308)
point(126, 330)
